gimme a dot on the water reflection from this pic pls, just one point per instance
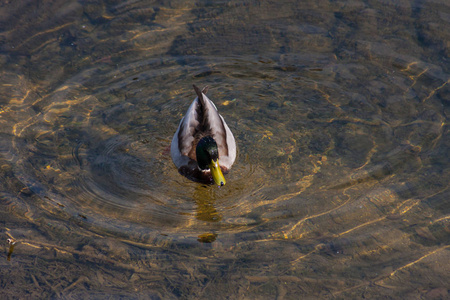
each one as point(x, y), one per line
point(340, 187)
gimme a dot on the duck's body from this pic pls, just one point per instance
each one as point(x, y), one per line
point(202, 130)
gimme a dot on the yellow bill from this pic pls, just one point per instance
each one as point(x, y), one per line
point(216, 173)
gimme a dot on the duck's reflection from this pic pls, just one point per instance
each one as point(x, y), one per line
point(205, 200)
point(206, 211)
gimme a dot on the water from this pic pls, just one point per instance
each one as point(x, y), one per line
point(340, 112)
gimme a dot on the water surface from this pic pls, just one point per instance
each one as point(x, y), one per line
point(340, 112)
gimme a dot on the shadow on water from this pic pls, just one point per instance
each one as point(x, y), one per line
point(340, 187)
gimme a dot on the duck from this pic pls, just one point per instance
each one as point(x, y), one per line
point(203, 147)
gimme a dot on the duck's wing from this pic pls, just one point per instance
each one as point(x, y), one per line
point(187, 129)
point(192, 127)
point(210, 121)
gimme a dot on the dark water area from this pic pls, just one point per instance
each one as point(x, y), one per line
point(340, 111)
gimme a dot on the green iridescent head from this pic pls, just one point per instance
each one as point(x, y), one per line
point(208, 159)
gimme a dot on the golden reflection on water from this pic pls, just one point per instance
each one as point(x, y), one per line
point(340, 189)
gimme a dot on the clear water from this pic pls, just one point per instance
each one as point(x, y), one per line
point(340, 112)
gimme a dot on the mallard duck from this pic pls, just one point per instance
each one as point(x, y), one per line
point(203, 147)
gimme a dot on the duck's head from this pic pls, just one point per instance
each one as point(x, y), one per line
point(208, 158)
